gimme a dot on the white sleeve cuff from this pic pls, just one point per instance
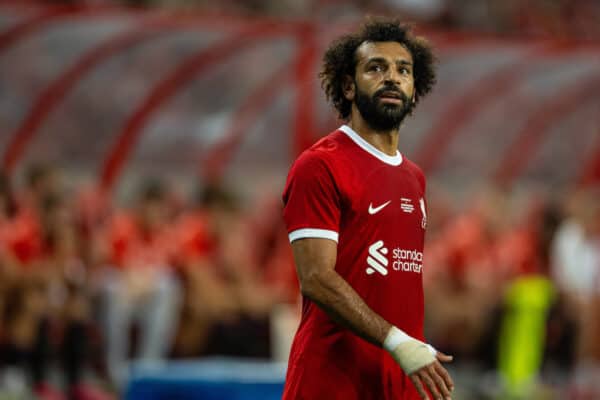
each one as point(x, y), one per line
point(313, 233)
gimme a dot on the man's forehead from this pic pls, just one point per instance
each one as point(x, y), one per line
point(390, 50)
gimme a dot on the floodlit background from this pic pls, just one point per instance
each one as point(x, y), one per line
point(144, 146)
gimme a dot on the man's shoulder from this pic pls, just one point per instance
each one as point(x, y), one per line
point(410, 164)
point(326, 150)
point(415, 169)
point(330, 144)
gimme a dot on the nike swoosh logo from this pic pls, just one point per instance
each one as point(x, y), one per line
point(377, 209)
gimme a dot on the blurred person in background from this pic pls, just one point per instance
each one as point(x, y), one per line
point(576, 270)
point(69, 296)
point(356, 215)
point(276, 263)
point(8, 211)
point(47, 312)
point(208, 298)
point(247, 334)
point(534, 345)
point(463, 281)
point(228, 300)
point(27, 341)
point(138, 284)
point(9, 287)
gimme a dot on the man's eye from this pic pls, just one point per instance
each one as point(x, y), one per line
point(375, 68)
point(404, 71)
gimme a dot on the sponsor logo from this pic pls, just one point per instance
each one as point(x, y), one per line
point(407, 260)
point(376, 259)
point(407, 205)
point(375, 210)
point(402, 259)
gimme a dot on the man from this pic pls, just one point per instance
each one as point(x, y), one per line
point(356, 216)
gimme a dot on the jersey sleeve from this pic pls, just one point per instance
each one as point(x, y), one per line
point(311, 200)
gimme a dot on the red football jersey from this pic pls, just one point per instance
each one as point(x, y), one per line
point(373, 206)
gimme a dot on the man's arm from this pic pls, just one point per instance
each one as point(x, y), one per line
point(315, 263)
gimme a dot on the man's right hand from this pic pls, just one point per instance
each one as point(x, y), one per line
point(435, 377)
point(421, 362)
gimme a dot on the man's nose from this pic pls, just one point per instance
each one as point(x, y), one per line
point(392, 84)
point(392, 76)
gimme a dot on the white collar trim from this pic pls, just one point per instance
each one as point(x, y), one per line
point(369, 148)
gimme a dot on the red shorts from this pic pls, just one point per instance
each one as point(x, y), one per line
point(320, 378)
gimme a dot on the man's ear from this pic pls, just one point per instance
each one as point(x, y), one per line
point(349, 88)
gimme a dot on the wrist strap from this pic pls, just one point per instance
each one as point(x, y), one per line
point(394, 338)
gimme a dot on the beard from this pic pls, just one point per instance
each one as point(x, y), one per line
point(380, 116)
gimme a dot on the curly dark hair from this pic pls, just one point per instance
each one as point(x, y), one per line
point(340, 59)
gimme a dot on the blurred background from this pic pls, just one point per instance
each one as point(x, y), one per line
point(144, 147)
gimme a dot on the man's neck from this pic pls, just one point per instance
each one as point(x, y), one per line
point(384, 141)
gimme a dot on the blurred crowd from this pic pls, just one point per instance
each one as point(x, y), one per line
point(513, 287)
point(86, 285)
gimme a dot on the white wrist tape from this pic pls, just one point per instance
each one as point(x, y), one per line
point(411, 354)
